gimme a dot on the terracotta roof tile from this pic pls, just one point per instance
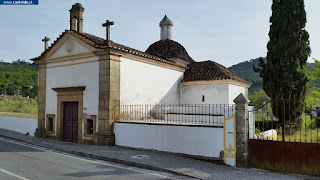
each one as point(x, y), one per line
point(169, 49)
point(209, 70)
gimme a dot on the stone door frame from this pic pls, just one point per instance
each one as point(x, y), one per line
point(69, 94)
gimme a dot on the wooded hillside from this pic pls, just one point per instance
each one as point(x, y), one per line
point(19, 78)
point(245, 71)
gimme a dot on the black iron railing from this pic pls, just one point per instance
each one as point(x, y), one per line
point(177, 114)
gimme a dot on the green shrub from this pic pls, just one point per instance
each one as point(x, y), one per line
point(19, 105)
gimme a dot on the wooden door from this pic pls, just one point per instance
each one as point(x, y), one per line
point(70, 121)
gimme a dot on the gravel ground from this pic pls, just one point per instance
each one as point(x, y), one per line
point(154, 160)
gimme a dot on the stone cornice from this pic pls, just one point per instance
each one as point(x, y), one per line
point(40, 62)
point(108, 54)
point(71, 57)
point(64, 89)
point(212, 82)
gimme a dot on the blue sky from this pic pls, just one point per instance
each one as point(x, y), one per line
point(227, 32)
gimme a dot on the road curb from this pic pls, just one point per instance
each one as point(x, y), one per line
point(114, 160)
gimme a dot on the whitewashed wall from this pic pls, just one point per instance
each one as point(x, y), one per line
point(214, 94)
point(234, 91)
point(86, 74)
point(201, 141)
point(143, 83)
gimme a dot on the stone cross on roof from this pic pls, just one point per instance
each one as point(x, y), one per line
point(45, 40)
point(107, 24)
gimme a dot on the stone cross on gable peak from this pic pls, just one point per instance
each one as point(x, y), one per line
point(107, 24)
point(45, 40)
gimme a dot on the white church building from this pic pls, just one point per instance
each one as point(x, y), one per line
point(85, 81)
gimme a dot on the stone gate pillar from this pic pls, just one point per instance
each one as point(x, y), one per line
point(242, 132)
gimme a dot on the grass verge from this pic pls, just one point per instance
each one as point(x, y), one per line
point(19, 106)
point(19, 115)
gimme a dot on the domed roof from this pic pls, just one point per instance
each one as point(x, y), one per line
point(169, 49)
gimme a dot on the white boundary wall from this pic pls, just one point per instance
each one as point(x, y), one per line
point(192, 140)
point(21, 125)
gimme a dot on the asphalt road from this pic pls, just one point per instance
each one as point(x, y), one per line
point(22, 161)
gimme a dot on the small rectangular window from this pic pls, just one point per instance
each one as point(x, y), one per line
point(202, 98)
point(50, 124)
point(89, 126)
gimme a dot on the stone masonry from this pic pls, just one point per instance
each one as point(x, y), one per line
point(241, 130)
point(42, 73)
point(109, 96)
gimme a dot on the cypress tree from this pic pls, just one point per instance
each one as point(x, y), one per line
point(284, 74)
point(288, 51)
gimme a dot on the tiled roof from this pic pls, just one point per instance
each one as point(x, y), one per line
point(209, 70)
point(169, 49)
point(100, 43)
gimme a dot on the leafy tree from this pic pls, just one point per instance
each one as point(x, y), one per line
point(18, 78)
point(258, 98)
point(313, 98)
point(288, 51)
point(314, 92)
point(315, 75)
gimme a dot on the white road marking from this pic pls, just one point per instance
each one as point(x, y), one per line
point(14, 175)
point(91, 161)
